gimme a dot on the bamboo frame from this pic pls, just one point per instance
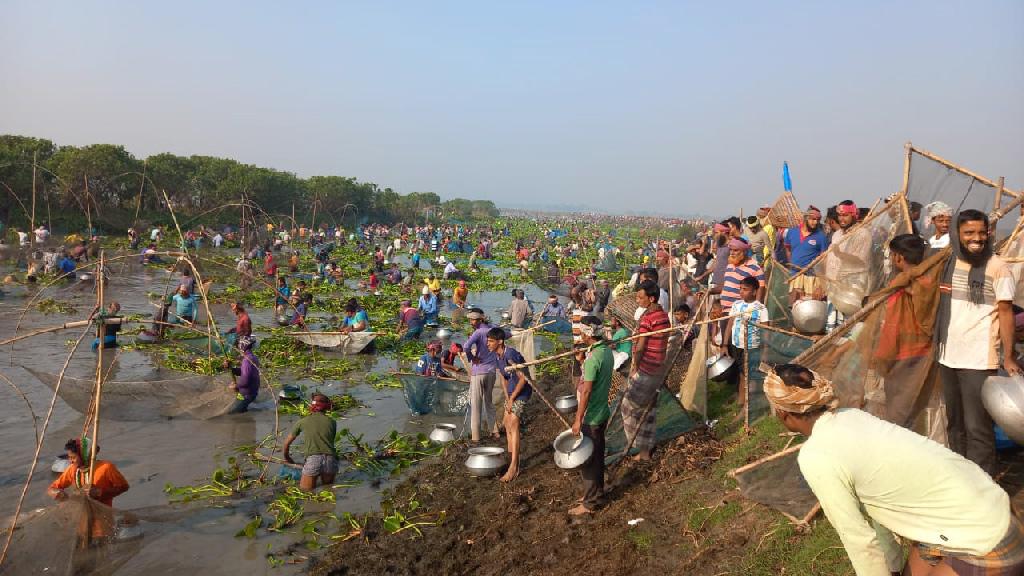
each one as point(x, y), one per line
point(935, 158)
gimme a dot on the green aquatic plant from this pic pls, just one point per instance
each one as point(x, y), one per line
point(50, 306)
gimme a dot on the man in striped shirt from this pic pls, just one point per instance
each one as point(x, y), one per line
point(646, 373)
point(741, 266)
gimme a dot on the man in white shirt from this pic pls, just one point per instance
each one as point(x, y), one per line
point(875, 479)
point(41, 234)
point(974, 324)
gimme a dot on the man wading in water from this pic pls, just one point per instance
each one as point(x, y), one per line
point(318, 448)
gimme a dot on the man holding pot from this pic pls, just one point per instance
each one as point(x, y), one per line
point(592, 412)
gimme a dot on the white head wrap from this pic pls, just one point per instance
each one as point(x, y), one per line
point(937, 208)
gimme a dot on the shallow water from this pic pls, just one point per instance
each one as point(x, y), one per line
point(152, 454)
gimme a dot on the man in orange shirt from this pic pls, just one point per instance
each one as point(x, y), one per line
point(107, 481)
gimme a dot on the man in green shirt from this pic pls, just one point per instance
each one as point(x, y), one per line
point(592, 413)
point(320, 431)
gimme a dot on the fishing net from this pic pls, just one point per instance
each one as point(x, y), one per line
point(525, 343)
point(1013, 252)
point(932, 179)
point(777, 482)
point(881, 360)
point(432, 395)
point(671, 419)
point(856, 264)
point(76, 536)
point(777, 294)
point(195, 396)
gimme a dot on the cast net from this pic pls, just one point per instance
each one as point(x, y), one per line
point(432, 395)
point(196, 396)
point(77, 536)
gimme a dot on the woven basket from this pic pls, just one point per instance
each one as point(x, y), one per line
point(785, 212)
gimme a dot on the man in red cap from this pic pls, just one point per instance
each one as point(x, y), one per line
point(321, 455)
point(803, 245)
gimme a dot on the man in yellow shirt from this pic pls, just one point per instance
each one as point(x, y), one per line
point(875, 479)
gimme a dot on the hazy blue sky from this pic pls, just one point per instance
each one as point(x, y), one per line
point(629, 105)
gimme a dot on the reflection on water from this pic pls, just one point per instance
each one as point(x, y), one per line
point(152, 454)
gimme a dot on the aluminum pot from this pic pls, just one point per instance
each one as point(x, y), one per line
point(847, 299)
point(506, 316)
point(485, 461)
point(566, 404)
point(290, 393)
point(809, 316)
point(1003, 397)
point(283, 320)
point(442, 433)
point(571, 451)
point(85, 277)
point(60, 464)
point(720, 367)
point(444, 334)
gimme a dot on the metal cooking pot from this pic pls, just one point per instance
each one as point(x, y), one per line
point(85, 277)
point(571, 451)
point(566, 404)
point(290, 393)
point(847, 299)
point(146, 338)
point(443, 433)
point(444, 333)
point(60, 464)
point(720, 367)
point(485, 461)
point(1003, 397)
point(809, 316)
point(283, 320)
point(506, 316)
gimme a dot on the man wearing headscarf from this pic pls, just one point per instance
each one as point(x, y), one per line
point(848, 259)
point(938, 215)
point(740, 266)
point(247, 387)
point(974, 324)
point(804, 244)
point(875, 479)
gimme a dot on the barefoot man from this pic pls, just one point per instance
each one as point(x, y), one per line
point(645, 375)
point(518, 390)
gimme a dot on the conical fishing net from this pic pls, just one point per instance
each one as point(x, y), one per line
point(881, 360)
point(196, 396)
point(76, 536)
point(432, 395)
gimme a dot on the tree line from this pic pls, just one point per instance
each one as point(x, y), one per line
point(107, 185)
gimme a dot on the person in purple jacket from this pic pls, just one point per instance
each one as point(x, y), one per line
point(248, 384)
point(481, 380)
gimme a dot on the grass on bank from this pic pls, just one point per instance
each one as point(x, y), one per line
point(773, 544)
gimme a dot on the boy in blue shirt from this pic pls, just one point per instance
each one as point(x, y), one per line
point(518, 390)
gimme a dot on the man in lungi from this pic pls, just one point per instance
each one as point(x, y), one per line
point(646, 372)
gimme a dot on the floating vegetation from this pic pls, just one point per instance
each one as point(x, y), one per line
point(392, 454)
point(340, 404)
point(380, 381)
point(50, 306)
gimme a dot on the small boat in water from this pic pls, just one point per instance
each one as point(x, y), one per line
point(350, 343)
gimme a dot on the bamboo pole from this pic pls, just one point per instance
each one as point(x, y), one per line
point(32, 223)
point(88, 204)
point(876, 300)
point(681, 328)
point(733, 473)
point(64, 326)
point(999, 194)
point(39, 444)
point(101, 331)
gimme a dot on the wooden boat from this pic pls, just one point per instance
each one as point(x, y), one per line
point(351, 343)
point(199, 396)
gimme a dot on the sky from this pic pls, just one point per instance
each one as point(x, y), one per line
point(663, 107)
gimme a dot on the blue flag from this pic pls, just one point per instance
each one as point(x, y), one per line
point(787, 184)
